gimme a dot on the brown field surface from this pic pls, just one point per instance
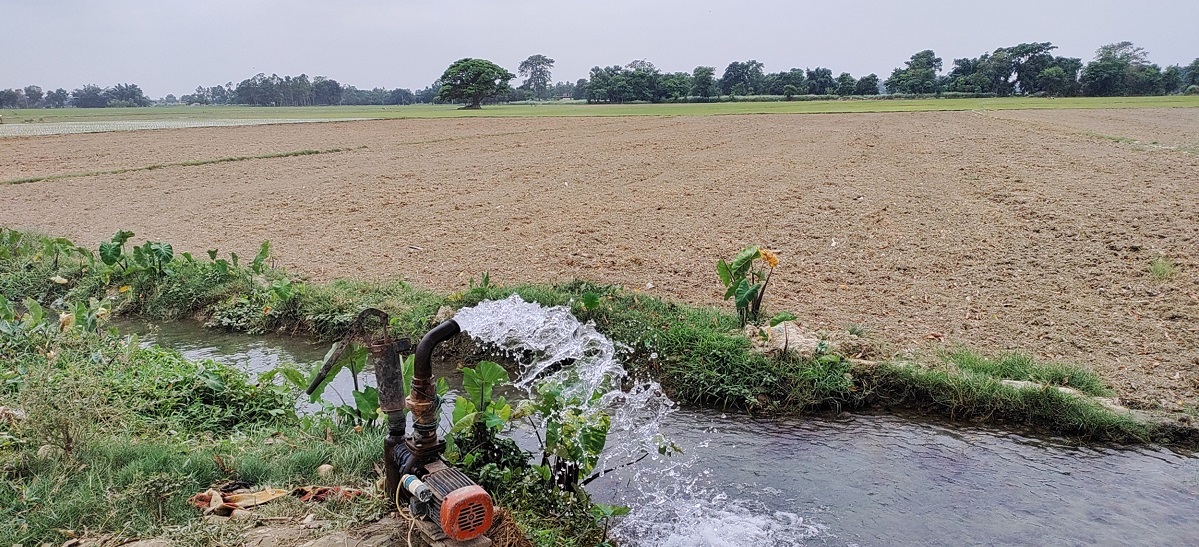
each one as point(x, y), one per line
point(1028, 231)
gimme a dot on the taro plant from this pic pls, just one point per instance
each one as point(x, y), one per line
point(745, 285)
point(480, 416)
point(154, 257)
point(604, 513)
point(112, 252)
point(574, 436)
point(364, 410)
point(13, 243)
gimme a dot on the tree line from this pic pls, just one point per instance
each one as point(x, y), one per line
point(1119, 69)
point(1029, 69)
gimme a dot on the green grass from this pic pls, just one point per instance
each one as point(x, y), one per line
point(136, 431)
point(577, 109)
point(967, 394)
point(190, 163)
point(137, 486)
point(1017, 366)
point(1162, 268)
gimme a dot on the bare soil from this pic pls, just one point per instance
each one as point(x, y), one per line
point(1022, 231)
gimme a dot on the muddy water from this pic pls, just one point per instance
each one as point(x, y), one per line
point(250, 353)
point(863, 480)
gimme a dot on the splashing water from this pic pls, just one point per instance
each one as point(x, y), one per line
point(670, 500)
point(552, 345)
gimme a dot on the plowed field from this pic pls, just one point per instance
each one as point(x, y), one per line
point(1013, 230)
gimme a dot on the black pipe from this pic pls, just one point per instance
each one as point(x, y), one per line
point(422, 399)
point(422, 368)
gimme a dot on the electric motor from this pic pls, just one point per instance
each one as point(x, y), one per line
point(462, 507)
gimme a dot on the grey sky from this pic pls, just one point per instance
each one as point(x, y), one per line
point(168, 46)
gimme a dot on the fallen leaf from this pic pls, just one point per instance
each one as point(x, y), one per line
point(246, 501)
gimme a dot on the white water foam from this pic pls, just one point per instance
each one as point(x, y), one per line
point(672, 498)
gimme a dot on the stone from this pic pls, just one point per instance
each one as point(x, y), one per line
point(49, 452)
point(1110, 403)
point(785, 337)
point(444, 313)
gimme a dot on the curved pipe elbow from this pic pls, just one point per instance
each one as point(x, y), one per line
point(422, 366)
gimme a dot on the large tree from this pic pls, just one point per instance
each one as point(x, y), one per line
point(703, 81)
point(326, 91)
point(33, 96)
point(845, 84)
point(1190, 74)
point(10, 98)
point(126, 95)
point(472, 80)
point(57, 98)
point(536, 71)
point(742, 78)
point(821, 81)
point(867, 85)
point(776, 83)
point(919, 76)
point(89, 96)
point(676, 85)
point(1121, 69)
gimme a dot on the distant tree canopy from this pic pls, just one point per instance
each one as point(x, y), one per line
point(1124, 69)
point(473, 80)
point(88, 96)
point(536, 70)
point(1118, 69)
point(1028, 69)
point(919, 75)
point(743, 78)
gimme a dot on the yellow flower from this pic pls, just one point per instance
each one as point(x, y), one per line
point(771, 259)
point(124, 288)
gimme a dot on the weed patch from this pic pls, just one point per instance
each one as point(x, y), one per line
point(1162, 268)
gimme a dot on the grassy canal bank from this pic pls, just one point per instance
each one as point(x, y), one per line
point(101, 437)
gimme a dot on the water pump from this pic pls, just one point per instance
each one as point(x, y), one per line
point(455, 510)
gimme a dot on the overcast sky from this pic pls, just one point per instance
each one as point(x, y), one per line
point(169, 46)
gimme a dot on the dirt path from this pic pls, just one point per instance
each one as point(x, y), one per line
point(997, 231)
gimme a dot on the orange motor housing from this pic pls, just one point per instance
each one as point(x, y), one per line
point(463, 508)
point(466, 513)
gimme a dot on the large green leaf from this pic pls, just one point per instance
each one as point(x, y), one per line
point(464, 414)
point(781, 317)
point(264, 252)
point(594, 437)
point(163, 253)
point(35, 312)
point(121, 237)
point(725, 273)
point(141, 256)
point(746, 293)
point(407, 370)
point(295, 377)
point(479, 381)
point(367, 402)
point(492, 373)
point(355, 358)
point(743, 261)
point(333, 370)
point(110, 252)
